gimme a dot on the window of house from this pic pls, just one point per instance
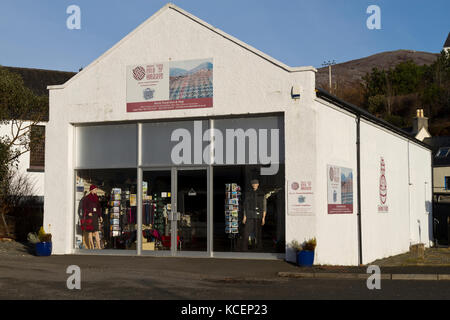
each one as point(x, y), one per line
point(447, 183)
point(442, 153)
point(37, 148)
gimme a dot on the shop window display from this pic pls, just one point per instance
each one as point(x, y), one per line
point(156, 208)
point(248, 210)
point(106, 209)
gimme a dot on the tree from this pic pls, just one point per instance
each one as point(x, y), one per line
point(20, 109)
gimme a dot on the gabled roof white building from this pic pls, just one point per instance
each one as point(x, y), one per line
point(378, 210)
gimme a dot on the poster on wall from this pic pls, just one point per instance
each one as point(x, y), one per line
point(300, 198)
point(383, 205)
point(340, 190)
point(170, 85)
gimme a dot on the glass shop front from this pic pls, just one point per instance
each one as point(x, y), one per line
point(210, 187)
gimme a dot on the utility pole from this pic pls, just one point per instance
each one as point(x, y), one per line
point(328, 64)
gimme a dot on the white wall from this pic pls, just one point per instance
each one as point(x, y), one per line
point(36, 179)
point(391, 233)
point(337, 237)
point(408, 174)
point(420, 195)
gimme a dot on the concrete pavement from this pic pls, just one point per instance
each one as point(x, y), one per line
point(24, 276)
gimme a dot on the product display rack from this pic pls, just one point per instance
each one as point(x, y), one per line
point(232, 210)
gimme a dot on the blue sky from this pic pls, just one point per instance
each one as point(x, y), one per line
point(33, 33)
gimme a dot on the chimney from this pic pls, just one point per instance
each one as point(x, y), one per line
point(420, 121)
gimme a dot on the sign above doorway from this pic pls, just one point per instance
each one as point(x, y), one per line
point(170, 85)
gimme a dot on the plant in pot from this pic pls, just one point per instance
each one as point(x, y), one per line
point(306, 255)
point(297, 247)
point(44, 246)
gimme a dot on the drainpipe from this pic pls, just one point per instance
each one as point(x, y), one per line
point(358, 174)
point(431, 214)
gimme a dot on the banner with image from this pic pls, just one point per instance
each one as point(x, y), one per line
point(340, 190)
point(170, 85)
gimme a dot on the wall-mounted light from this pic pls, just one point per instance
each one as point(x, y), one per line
point(295, 92)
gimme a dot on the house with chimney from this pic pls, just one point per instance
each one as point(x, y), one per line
point(31, 164)
point(420, 126)
point(28, 177)
point(447, 44)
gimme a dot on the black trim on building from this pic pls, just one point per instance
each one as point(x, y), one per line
point(367, 116)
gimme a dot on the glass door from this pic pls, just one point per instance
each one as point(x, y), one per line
point(191, 207)
point(174, 210)
point(157, 204)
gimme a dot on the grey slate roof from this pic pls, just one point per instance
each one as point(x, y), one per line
point(447, 43)
point(38, 80)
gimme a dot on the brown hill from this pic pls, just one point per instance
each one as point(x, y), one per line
point(349, 74)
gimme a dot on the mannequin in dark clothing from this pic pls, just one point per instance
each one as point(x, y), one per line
point(254, 214)
point(93, 210)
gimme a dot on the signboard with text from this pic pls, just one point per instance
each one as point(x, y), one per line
point(300, 198)
point(170, 85)
point(340, 190)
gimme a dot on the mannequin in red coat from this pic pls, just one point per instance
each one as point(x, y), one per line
point(93, 210)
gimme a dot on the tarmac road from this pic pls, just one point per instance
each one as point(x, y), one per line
point(108, 277)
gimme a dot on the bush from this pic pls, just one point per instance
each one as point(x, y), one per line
point(310, 245)
point(296, 245)
point(44, 237)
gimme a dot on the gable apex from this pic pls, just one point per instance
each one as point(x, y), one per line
point(171, 6)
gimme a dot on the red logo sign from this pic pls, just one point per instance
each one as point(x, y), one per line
point(383, 183)
point(138, 73)
point(295, 186)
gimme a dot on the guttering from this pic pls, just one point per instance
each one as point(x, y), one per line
point(363, 114)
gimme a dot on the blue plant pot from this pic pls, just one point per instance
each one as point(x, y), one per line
point(43, 249)
point(305, 258)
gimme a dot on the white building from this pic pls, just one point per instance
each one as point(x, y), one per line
point(447, 44)
point(30, 164)
point(359, 185)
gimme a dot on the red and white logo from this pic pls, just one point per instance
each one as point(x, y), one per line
point(383, 183)
point(138, 73)
point(295, 186)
